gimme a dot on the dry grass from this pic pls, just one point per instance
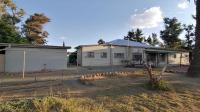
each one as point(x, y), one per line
point(113, 95)
point(186, 101)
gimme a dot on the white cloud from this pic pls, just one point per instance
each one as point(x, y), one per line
point(62, 38)
point(135, 10)
point(150, 18)
point(183, 5)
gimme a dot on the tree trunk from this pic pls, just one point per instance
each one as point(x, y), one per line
point(194, 69)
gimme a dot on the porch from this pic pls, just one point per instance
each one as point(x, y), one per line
point(157, 59)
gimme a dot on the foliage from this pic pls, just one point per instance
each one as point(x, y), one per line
point(9, 32)
point(73, 58)
point(101, 41)
point(9, 8)
point(33, 28)
point(158, 85)
point(10, 16)
point(189, 37)
point(152, 40)
point(170, 35)
point(136, 35)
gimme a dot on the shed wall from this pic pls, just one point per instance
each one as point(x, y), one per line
point(35, 59)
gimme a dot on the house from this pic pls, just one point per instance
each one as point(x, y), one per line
point(121, 52)
point(31, 58)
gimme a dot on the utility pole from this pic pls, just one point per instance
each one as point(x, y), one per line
point(24, 64)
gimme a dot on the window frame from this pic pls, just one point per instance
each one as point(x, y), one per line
point(104, 55)
point(90, 55)
point(119, 55)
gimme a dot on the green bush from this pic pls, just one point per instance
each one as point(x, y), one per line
point(158, 85)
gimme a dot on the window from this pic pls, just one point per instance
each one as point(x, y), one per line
point(103, 55)
point(119, 55)
point(174, 55)
point(90, 54)
point(162, 58)
point(186, 55)
point(137, 57)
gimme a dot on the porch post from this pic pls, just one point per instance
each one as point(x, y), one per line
point(111, 55)
point(167, 58)
point(181, 60)
point(157, 61)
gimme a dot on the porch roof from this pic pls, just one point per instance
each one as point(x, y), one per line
point(161, 51)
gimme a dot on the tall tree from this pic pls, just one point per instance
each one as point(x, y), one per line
point(170, 35)
point(139, 35)
point(33, 28)
point(136, 35)
point(194, 69)
point(9, 9)
point(149, 40)
point(152, 40)
point(101, 41)
point(189, 36)
point(130, 36)
point(8, 32)
point(10, 15)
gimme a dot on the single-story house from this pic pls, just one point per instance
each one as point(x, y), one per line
point(31, 58)
point(120, 52)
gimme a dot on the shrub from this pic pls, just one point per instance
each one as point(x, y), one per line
point(158, 85)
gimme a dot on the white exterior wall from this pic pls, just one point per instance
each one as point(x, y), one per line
point(110, 60)
point(136, 51)
point(97, 60)
point(36, 59)
point(118, 49)
point(128, 55)
point(177, 60)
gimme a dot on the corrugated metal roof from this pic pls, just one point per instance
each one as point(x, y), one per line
point(122, 42)
point(33, 46)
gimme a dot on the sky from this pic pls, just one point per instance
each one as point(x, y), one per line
point(82, 22)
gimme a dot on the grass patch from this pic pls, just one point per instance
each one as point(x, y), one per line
point(52, 104)
point(160, 85)
point(142, 102)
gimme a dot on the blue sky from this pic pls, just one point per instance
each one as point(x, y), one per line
point(78, 22)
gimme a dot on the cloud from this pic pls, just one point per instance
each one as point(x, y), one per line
point(135, 10)
point(62, 38)
point(183, 5)
point(150, 18)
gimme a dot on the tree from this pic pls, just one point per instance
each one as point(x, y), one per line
point(189, 37)
point(194, 69)
point(152, 40)
point(8, 8)
point(170, 35)
point(155, 40)
point(33, 28)
point(149, 40)
point(135, 35)
point(130, 36)
point(101, 41)
point(10, 15)
point(8, 33)
point(139, 35)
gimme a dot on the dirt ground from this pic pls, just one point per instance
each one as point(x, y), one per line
point(66, 83)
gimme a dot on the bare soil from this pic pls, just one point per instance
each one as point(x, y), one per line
point(66, 84)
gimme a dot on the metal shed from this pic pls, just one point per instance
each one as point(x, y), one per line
point(31, 58)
